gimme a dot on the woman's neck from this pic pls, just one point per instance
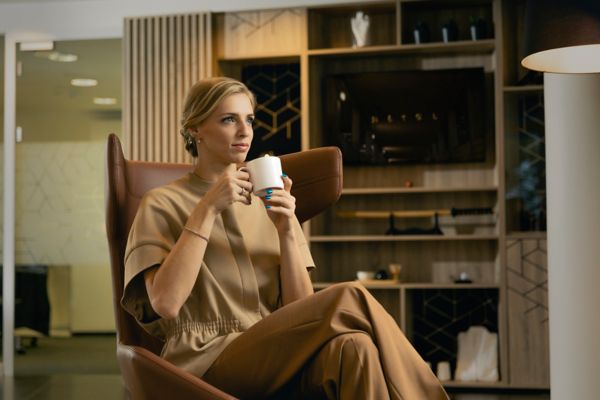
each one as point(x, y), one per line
point(212, 172)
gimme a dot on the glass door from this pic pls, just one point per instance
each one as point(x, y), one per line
point(68, 101)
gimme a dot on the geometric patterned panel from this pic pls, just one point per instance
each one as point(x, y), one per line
point(528, 275)
point(59, 210)
point(439, 315)
point(277, 123)
point(531, 171)
point(527, 312)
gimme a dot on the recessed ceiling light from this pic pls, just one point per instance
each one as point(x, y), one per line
point(36, 46)
point(62, 57)
point(81, 82)
point(105, 101)
point(56, 56)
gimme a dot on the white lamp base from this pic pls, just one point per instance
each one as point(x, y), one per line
point(572, 114)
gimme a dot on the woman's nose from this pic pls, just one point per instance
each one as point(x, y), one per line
point(245, 129)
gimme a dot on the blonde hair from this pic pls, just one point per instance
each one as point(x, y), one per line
point(202, 100)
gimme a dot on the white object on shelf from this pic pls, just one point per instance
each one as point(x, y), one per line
point(360, 29)
point(477, 355)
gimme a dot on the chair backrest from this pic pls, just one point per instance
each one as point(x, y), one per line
point(317, 177)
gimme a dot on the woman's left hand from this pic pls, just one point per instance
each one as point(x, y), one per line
point(281, 206)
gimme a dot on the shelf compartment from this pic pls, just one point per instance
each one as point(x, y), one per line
point(330, 27)
point(330, 224)
point(429, 17)
point(433, 264)
point(435, 317)
point(525, 162)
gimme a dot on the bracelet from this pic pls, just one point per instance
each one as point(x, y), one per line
point(201, 236)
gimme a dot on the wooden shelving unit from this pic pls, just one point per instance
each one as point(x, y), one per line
point(487, 248)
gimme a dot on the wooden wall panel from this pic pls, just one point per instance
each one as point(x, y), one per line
point(264, 33)
point(527, 285)
point(164, 56)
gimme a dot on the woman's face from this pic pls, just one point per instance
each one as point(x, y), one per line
point(225, 136)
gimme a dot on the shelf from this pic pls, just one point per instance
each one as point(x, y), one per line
point(459, 286)
point(434, 286)
point(416, 190)
point(486, 46)
point(524, 89)
point(323, 285)
point(475, 384)
point(264, 57)
point(527, 235)
point(398, 238)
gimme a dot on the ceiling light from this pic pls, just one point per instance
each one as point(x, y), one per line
point(105, 101)
point(56, 56)
point(62, 57)
point(81, 82)
point(37, 46)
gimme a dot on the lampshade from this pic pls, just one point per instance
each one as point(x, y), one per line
point(562, 36)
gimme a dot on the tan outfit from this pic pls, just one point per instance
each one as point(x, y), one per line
point(305, 349)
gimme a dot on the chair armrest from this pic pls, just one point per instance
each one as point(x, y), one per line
point(148, 377)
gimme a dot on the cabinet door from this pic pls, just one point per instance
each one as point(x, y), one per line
point(527, 284)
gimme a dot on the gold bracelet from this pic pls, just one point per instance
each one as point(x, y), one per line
point(201, 236)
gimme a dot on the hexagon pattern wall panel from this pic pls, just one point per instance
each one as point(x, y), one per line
point(277, 125)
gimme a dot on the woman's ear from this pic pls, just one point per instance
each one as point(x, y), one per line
point(195, 132)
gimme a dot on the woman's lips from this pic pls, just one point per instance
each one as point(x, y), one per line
point(241, 146)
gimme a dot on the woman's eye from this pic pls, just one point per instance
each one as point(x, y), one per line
point(250, 121)
point(229, 119)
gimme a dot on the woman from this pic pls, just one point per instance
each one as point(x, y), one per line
point(222, 277)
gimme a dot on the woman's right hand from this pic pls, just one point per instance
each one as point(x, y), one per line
point(231, 187)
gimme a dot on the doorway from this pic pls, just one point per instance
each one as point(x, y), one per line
point(68, 100)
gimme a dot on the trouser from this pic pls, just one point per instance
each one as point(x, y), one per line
point(338, 343)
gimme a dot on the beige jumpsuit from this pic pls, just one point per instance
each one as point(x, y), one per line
point(232, 331)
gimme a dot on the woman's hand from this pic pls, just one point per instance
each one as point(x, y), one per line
point(281, 206)
point(231, 187)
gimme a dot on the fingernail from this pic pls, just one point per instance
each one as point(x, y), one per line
point(269, 191)
point(284, 174)
point(268, 206)
point(267, 197)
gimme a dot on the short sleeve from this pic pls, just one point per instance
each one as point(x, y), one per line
point(151, 238)
point(303, 246)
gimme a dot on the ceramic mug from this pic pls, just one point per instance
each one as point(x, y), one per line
point(265, 173)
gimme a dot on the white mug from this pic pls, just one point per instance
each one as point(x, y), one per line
point(265, 173)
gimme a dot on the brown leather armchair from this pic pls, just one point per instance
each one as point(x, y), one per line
point(146, 375)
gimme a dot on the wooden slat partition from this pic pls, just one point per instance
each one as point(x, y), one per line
point(164, 56)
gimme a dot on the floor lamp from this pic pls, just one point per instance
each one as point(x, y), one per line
point(562, 39)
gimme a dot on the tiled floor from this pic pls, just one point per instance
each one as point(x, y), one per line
point(85, 367)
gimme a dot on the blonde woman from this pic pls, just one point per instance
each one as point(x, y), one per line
point(223, 278)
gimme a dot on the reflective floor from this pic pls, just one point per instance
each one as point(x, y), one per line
point(85, 367)
point(80, 367)
point(63, 387)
